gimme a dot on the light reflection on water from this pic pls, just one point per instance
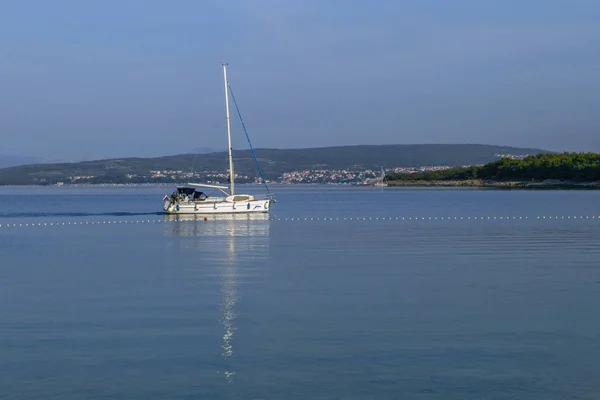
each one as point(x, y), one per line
point(238, 232)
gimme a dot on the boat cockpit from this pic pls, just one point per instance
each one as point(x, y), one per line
point(186, 193)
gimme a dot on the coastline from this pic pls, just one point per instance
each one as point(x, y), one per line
point(514, 184)
point(545, 184)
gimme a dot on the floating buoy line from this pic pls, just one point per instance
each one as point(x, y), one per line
point(4, 225)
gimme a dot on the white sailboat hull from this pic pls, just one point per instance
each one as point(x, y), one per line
point(217, 207)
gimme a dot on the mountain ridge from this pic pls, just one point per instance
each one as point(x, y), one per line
point(274, 163)
point(12, 160)
point(9, 160)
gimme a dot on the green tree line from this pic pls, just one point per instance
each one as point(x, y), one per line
point(565, 166)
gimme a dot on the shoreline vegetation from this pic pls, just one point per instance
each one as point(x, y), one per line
point(558, 170)
point(545, 184)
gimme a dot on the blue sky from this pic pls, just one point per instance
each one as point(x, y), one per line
point(120, 78)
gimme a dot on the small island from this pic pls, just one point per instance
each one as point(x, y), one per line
point(555, 170)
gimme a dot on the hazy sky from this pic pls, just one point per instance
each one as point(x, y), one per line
point(143, 77)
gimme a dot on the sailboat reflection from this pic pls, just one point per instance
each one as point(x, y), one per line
point(245, 242)
point(221, 225)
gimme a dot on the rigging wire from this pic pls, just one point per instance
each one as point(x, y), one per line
point(248, 138)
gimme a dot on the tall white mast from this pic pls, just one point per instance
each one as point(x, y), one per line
point(231, 173)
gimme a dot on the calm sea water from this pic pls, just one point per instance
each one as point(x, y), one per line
point(309, 309)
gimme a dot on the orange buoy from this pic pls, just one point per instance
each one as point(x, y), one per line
point(206, 218)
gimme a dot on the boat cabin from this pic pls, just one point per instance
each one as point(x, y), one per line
point(190, 193)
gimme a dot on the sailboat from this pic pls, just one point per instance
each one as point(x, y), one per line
point(381, 182)
point(189, 200)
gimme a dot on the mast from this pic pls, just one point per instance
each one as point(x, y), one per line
point(231, 173)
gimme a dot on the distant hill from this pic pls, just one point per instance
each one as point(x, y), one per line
point(10, 160)
point(7, 160)
point(274, 162)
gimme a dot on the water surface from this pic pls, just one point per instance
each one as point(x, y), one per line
point(301, 309)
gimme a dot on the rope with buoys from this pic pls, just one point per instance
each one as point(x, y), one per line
point(182, 219)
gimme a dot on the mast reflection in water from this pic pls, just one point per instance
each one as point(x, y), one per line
point(235, 237)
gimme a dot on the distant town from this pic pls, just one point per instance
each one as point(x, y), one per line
point(321, 176)
point(308, 176)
